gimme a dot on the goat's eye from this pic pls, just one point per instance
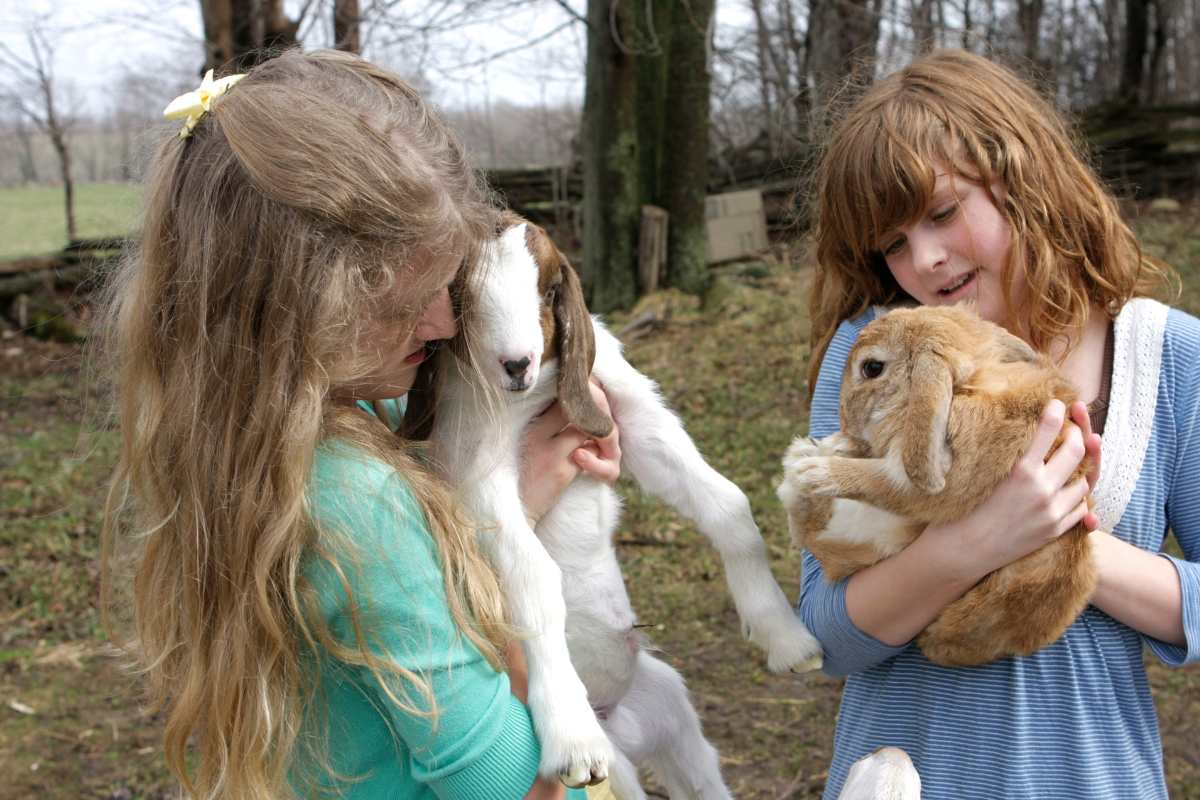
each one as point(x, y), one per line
point(550, 295)
point(872, 368)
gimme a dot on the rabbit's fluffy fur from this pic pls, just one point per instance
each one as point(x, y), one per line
point(937, 405)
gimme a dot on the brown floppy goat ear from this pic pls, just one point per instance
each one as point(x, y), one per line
point(925, 451)
point(576, 354)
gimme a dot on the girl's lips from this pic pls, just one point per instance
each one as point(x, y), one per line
point(960, 288)
point(415, 357)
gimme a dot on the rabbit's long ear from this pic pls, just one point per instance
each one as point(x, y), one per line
point(576, 354)
point(1014, 348)
point(925, 451)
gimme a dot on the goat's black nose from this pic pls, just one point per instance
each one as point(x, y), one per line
point(516, 369)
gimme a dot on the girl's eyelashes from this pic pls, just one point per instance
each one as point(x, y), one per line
point(937, 216)
point(944, 213)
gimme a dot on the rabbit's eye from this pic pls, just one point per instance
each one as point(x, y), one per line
point(872, 368)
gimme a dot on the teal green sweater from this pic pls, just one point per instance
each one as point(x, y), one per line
point(480, 743)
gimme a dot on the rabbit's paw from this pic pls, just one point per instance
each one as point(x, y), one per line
point(811, 475)
point(801, 447)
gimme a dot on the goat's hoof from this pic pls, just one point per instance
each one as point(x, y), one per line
point(578, 760)
point(791, 648)
point(586, 771)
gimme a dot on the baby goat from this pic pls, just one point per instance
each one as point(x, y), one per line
point(591, 681)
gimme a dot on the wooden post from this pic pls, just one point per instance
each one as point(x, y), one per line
point(652, 248)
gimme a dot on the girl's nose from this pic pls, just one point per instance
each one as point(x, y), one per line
point(437, 322)
point(927, 250)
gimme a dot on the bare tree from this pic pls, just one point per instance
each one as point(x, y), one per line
point(43, 108)
point(346, 21)
point(240, 33)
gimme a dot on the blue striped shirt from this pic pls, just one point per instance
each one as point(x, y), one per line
point(1074, 720)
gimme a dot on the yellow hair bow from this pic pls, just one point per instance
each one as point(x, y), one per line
point(193, 104)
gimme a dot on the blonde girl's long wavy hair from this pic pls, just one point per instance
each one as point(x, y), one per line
point(309, 190)
point(958, 110)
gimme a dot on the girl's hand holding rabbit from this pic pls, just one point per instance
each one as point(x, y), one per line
point(1036, 504)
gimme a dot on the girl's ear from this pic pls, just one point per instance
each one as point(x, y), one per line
point(925, 452)
point(576, 353)
point(420, 411)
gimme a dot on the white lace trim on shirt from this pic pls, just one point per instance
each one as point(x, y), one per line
point(1133, 394)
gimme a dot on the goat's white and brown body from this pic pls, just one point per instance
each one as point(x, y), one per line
point(562, 580)
point(954, 405)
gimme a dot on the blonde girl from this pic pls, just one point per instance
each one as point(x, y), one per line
point(309, 605)
point(952, 180)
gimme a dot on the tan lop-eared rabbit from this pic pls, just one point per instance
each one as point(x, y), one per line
point(937, 405)
point(601, 703)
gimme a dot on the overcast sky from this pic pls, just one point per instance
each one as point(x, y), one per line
point(102, 40)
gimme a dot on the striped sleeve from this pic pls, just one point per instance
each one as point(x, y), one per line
point(1181, 353)
point(823, 604)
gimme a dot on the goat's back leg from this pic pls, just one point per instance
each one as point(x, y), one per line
point(659, 454)
point(655, 725)
point(623, 778)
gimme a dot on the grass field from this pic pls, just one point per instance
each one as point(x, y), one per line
point(33, 219)
point(70, 721)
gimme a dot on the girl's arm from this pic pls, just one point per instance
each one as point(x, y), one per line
point(1138, 588)
point(1155, 594)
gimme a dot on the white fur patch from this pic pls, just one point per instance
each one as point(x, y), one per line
point(853, 522)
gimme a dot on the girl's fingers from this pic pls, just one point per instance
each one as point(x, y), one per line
point(1072, 519)
point(589, 459)
point(1065, 460)
point(1047, 431)
point(1091, 441)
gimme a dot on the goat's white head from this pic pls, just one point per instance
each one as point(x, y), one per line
point(531, 311)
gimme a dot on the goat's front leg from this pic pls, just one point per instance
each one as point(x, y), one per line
point(574, 747)
point(664, 461)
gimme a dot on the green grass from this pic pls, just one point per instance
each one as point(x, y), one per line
point(33, 220)
point(735, 371)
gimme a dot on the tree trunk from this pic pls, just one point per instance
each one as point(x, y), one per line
point(58, 139)
point(346, 26)
point(611, 206)
point(921, 20)
point(1154, 68)
point(241, 33)
point(1132, 65)
point(685, 147)
point(763, 46)
point(842, 38)
point(1029, 20)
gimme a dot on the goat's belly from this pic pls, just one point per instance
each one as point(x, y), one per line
point(604, 656)
point(577, 532)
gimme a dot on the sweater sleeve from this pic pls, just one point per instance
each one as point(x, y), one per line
point(1181, 353)
point(466, 736)
point(823, 604)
